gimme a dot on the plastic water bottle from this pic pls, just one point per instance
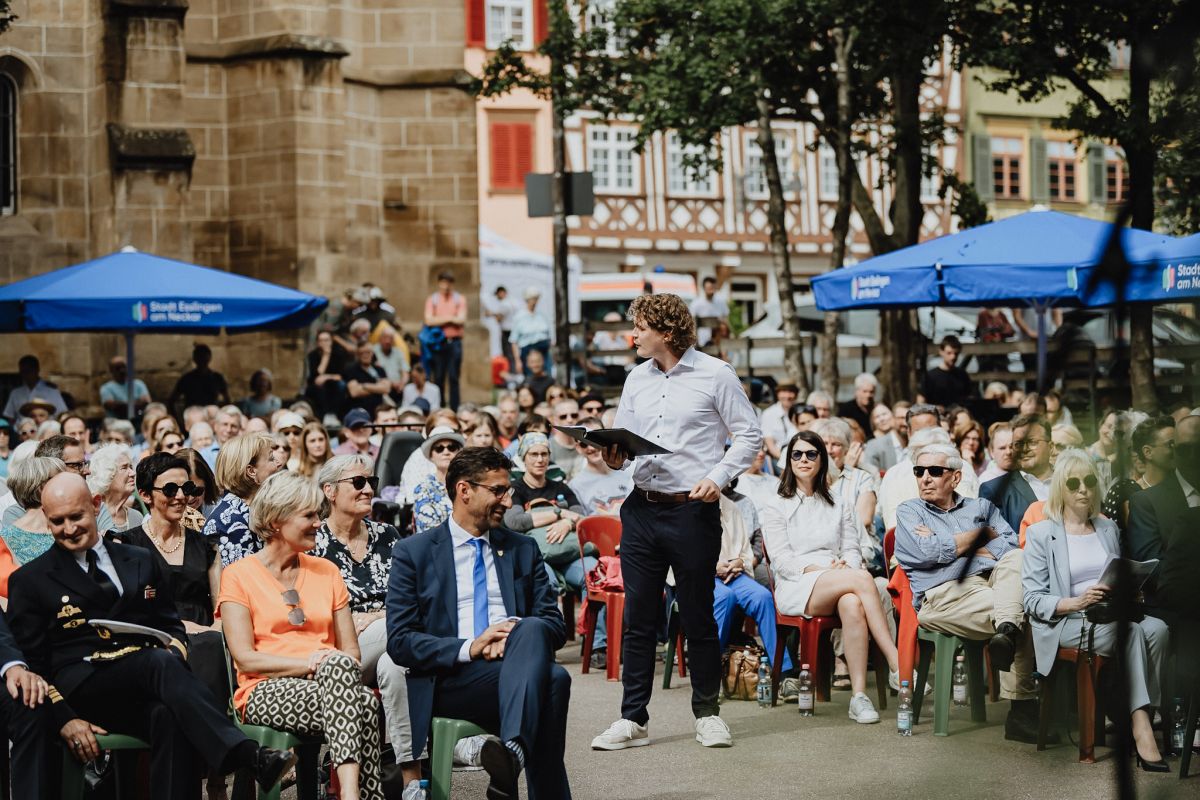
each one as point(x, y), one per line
point(560, 501)
point(807, 700)
point(960, 681)
point(763, 689)
point(904, 713)
point(416, 790)
point(1178, 725)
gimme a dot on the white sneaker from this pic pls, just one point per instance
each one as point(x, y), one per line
point(713, 732)
point(466, 753)
point(621, 734)
point(862, 710)
point(789, 690)
point(894, 683)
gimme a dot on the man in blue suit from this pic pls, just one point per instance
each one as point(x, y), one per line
point(1014, 492)
point(471, 613)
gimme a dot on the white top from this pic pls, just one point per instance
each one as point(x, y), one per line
point(690, 410)
point(803, 531)
point(1087, 558)
point(775, 423)
point(899, 484)
point(850, 486)
point(416, 469)
point(1041, 489)
point(464, 574)
point(703, 307)
point(23, 394)
point(602, 492)
point(431, 393)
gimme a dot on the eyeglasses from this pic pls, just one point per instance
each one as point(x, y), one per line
point(75, 466)
point(448, 447)
point(497, 491)
point(1088, 480)
point(189, 488)
point(295, 616)
point(537, 456)
point(595, 408)
point(806, 455)
point(1027, 444)
point(936, 472)
point(361, 481)
point(569, 415)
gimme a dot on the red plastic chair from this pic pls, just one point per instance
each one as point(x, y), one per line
point(816, 650)
point(605, 534)
point(1088, 699)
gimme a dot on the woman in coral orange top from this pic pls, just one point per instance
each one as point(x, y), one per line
point(287, 622)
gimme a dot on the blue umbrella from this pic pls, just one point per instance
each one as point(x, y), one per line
point(1038, 258)
point(132, 292)
point(1163, 271)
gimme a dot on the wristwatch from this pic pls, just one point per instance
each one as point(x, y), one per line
point(557, 512)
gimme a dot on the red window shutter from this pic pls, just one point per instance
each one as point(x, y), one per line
point(522, 152)
point(476, 24)
point(511, 146)
point(541, 21)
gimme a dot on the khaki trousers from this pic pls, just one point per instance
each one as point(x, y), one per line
point(974, 607)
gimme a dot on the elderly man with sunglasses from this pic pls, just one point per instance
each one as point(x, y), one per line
point(964, 566)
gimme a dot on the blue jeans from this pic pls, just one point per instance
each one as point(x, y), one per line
point(447, 364)
point(747, 594)
point(542, 347)
point(573, 575)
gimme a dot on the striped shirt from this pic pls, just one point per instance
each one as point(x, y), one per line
point(932, 560)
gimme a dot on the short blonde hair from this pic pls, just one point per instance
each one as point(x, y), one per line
point(27, 477)
point(1068, 462)
point(282, 496)
point(235, 457)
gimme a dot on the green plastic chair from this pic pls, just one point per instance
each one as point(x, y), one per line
point(72, 770)
point(447, 733)
point(941, 647)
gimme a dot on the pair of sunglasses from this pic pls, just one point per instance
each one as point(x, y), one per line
point(936, 472)
point(806, 455)
point(1088, 480)
point(360, 481)
point(189, 488)
point(449, 447)
point(295, 616)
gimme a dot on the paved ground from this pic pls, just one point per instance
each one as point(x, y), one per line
point(778, 754)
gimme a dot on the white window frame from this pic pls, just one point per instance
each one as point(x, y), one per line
point(599, 15)
point(931, 180)
point(614, 145)
point(500, 30)
point(754, 175)
point(9, 132)
point(682, 182)
point(827, 172)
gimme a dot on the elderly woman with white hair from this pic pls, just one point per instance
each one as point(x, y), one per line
point(112, 477)
point(362, 550)
point(1065, 557)
point(290, 629)
point(29, 535)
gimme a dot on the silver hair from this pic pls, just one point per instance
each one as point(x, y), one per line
point(201, 427)
point(21, 452)
point(831, 428)
point(50, 427)
point(924, 438)
point(865, 378)
point(104, 466)
point(26, 479)
point(953, 458)
point(121, 426)
point(333, 469)
point(819, 394)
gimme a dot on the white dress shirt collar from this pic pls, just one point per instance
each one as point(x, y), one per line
point(103, 562)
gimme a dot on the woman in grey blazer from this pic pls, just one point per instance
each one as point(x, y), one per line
point(1064, 558)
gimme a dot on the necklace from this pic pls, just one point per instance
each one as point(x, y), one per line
point(161, 545)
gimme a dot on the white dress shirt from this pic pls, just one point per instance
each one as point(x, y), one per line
point(22, 394)
point(1189, 492)
point(690, 410)
point(103, 563)
point(703, 307)
point(464, 574)
point(775, 423)
point(1041, 488)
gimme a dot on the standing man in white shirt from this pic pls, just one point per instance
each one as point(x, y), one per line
point(777, 429)
point(32, 387)
point(690, 404)
point(708, 305)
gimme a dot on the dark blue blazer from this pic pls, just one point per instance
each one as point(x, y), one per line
point(1010, 493)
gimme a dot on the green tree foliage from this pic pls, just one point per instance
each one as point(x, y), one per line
point(6, 18)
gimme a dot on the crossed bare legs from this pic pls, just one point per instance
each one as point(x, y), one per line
point(851, 594)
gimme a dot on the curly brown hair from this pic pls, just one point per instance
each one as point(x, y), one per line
point(667, 314)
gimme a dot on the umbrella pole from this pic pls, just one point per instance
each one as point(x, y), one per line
point(130, 399)
point(1041, 347)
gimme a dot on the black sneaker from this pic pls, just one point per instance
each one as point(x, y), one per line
point(599, 659)
point(503, 767)
point(270, 765)
point(1021, 725)
point(1003, 646)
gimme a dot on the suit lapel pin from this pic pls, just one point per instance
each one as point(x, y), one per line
point(150, 593)
point(500, 553)
point(66, 598)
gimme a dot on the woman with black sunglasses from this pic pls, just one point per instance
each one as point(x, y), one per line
point(811, 537)
point(431, 502)
point(362, 550)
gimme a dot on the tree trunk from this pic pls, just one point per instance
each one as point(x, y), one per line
point(1142, 159)
point(558, 192)
point(793, 347)
point(843, 43)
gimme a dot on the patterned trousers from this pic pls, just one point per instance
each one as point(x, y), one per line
point(335, 704)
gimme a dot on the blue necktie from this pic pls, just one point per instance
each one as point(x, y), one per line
point(479, 576)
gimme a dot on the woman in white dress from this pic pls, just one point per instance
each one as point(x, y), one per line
point(812, 540)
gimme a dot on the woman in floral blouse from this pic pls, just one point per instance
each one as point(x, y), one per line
point(362, 550)
point(243, 463)
point(431, 504)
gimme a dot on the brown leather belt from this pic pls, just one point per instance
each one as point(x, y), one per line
point(662, 497)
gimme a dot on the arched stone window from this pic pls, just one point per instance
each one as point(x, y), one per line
point(8, 145)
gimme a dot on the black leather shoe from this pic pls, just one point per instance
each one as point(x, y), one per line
point(270, 765)
point(1151, 766)
point(599, 659)
point(1003, 646)
point(503, 767)
point(1023, 727)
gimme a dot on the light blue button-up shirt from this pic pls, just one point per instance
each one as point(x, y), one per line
point(932, 560)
